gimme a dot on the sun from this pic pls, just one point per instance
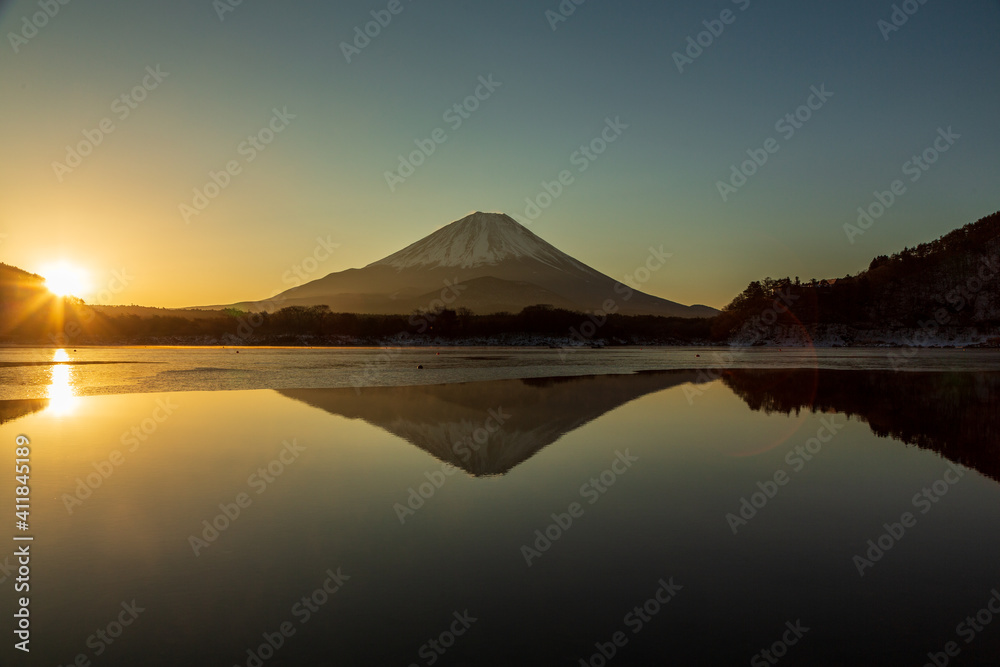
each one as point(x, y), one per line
point(65, 279)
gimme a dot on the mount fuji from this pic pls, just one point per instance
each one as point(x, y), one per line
point(485, 262)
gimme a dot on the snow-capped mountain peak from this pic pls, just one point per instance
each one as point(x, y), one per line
point(479, 239)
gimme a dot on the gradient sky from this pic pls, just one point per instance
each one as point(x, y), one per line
point(323, 176)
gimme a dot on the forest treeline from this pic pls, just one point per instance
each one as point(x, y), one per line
point(317, 325)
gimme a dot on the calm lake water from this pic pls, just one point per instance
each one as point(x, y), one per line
point(505, 507)
point(28, 372)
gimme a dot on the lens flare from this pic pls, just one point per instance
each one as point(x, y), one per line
point(65, 279)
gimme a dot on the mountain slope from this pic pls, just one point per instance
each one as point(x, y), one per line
point(17, 284)
point(481, 239)
point(948, 286)
point(485, 262)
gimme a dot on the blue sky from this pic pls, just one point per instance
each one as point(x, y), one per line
point(324, 173)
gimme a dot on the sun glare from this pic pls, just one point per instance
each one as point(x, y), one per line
point(64, 279)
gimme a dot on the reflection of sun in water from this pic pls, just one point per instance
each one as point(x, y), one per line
point(62, 400)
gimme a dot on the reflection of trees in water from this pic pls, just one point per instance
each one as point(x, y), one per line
point(953, 413)
point(11, 410)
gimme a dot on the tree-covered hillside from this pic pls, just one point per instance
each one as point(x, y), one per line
point(951, 282)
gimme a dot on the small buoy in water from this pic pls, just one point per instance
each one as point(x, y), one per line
point(697, 355)
point(420, 367)
point(237, 351)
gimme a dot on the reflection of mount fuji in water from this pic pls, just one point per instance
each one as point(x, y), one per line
point(952, 413)
point(452, 422)
point(956, 414)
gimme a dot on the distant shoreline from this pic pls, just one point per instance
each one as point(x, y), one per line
point(471, 344)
